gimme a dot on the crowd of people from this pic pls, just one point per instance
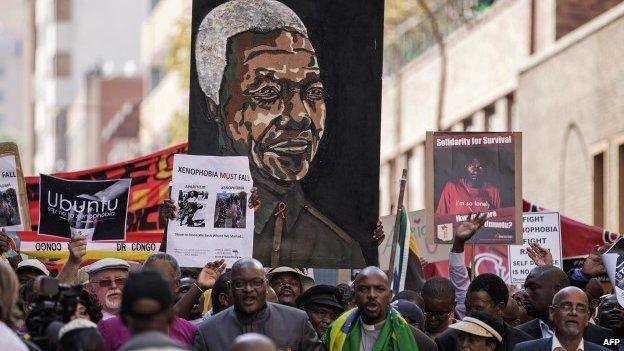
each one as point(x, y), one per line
point(112, 304)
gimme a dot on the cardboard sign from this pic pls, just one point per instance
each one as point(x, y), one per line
point(13, 203)
point(542, 228)
point(468, 173)
point(429, 252)
point(213, 220)
point(614, 264)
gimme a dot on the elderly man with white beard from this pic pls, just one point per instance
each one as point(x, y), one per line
point(107, 278)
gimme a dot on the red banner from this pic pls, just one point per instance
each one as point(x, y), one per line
point(150, 176)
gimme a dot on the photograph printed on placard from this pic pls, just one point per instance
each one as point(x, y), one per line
point(230, 210)
point(9, 210)
point(192, 208)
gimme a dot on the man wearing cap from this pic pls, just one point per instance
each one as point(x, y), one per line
point(107, 278)
point(410, 311)
point(30, 269)
point(289, 284)
point(321, 304)
point(569, 315)
point(147, 311)
point(374, 324)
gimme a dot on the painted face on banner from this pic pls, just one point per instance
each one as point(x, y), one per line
point(272, 101)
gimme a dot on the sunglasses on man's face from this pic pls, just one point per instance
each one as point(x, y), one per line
point(107, 283)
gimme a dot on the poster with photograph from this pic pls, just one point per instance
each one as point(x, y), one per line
point(295, 86)
point(94, 208)
point(542, 228)
point(212, 220)
point(613, 260)
point(13, 204)
point(468, 173)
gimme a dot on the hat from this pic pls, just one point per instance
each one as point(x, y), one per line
point(33, 263)
point(106, 263)
point(306, 282)
point(147, 284)
point(477, 327)
point(326, 295)
point(410, 310)
point(77, 323)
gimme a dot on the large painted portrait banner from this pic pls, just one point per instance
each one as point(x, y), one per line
point(296, 87)
point(470, 173)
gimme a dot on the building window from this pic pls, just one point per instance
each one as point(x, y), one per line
point(489, 113)
point(156, 74)
point(599, 188)
point(621, 186)
point(62, 64)
point(62, 10)
point(510, 112)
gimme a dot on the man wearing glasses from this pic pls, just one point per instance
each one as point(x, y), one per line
point(107, 278)
point(288, 327)
point(569, 314)
point(541, 285)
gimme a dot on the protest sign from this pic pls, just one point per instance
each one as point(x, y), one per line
point(323, 142)
point(542, 228)
point(13, 203)
point(474, 173)
point(429, 252)
point(614, 264)
point(213, 221)
point(96, 209)
point(150, 175)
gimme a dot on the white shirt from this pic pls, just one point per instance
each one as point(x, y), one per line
point(370, 333)
point(556, 345)
point(106, 315)
point(546, 331)
point(10, 340)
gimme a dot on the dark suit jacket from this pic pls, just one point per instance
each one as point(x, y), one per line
point(545, 344)
point(447, 341)
point(424, 342)
point(593, 333)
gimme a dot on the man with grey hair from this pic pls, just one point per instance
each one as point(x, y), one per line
point(262, 82)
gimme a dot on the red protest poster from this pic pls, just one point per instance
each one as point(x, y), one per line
point(469, 173)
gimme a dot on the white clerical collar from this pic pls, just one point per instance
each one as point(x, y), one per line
point(556, 345)
point(372, 327)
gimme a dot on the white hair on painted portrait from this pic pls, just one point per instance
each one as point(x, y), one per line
point(227, 20)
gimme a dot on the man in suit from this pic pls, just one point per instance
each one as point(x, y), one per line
point(487, 293)
point(541, 285)
point(569, 314)
point(288, 327)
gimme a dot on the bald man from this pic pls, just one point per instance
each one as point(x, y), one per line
point(287, 327)
point(541, 285)
point(253, 342)
point(374, 319)
point(569, 315)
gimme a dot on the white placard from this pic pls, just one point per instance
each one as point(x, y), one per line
point(430, 252)
point(543, 228)
point(213, 220)
point(10, 207)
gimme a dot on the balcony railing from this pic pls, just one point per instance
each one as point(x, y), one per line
point(415, 35)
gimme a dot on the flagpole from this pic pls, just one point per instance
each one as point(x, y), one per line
point(397, 225)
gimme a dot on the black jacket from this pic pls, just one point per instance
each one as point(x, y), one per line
point(447, 341)
point(545, 344)
point(593, 333)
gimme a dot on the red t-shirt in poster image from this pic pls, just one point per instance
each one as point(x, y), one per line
point(458, 197)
